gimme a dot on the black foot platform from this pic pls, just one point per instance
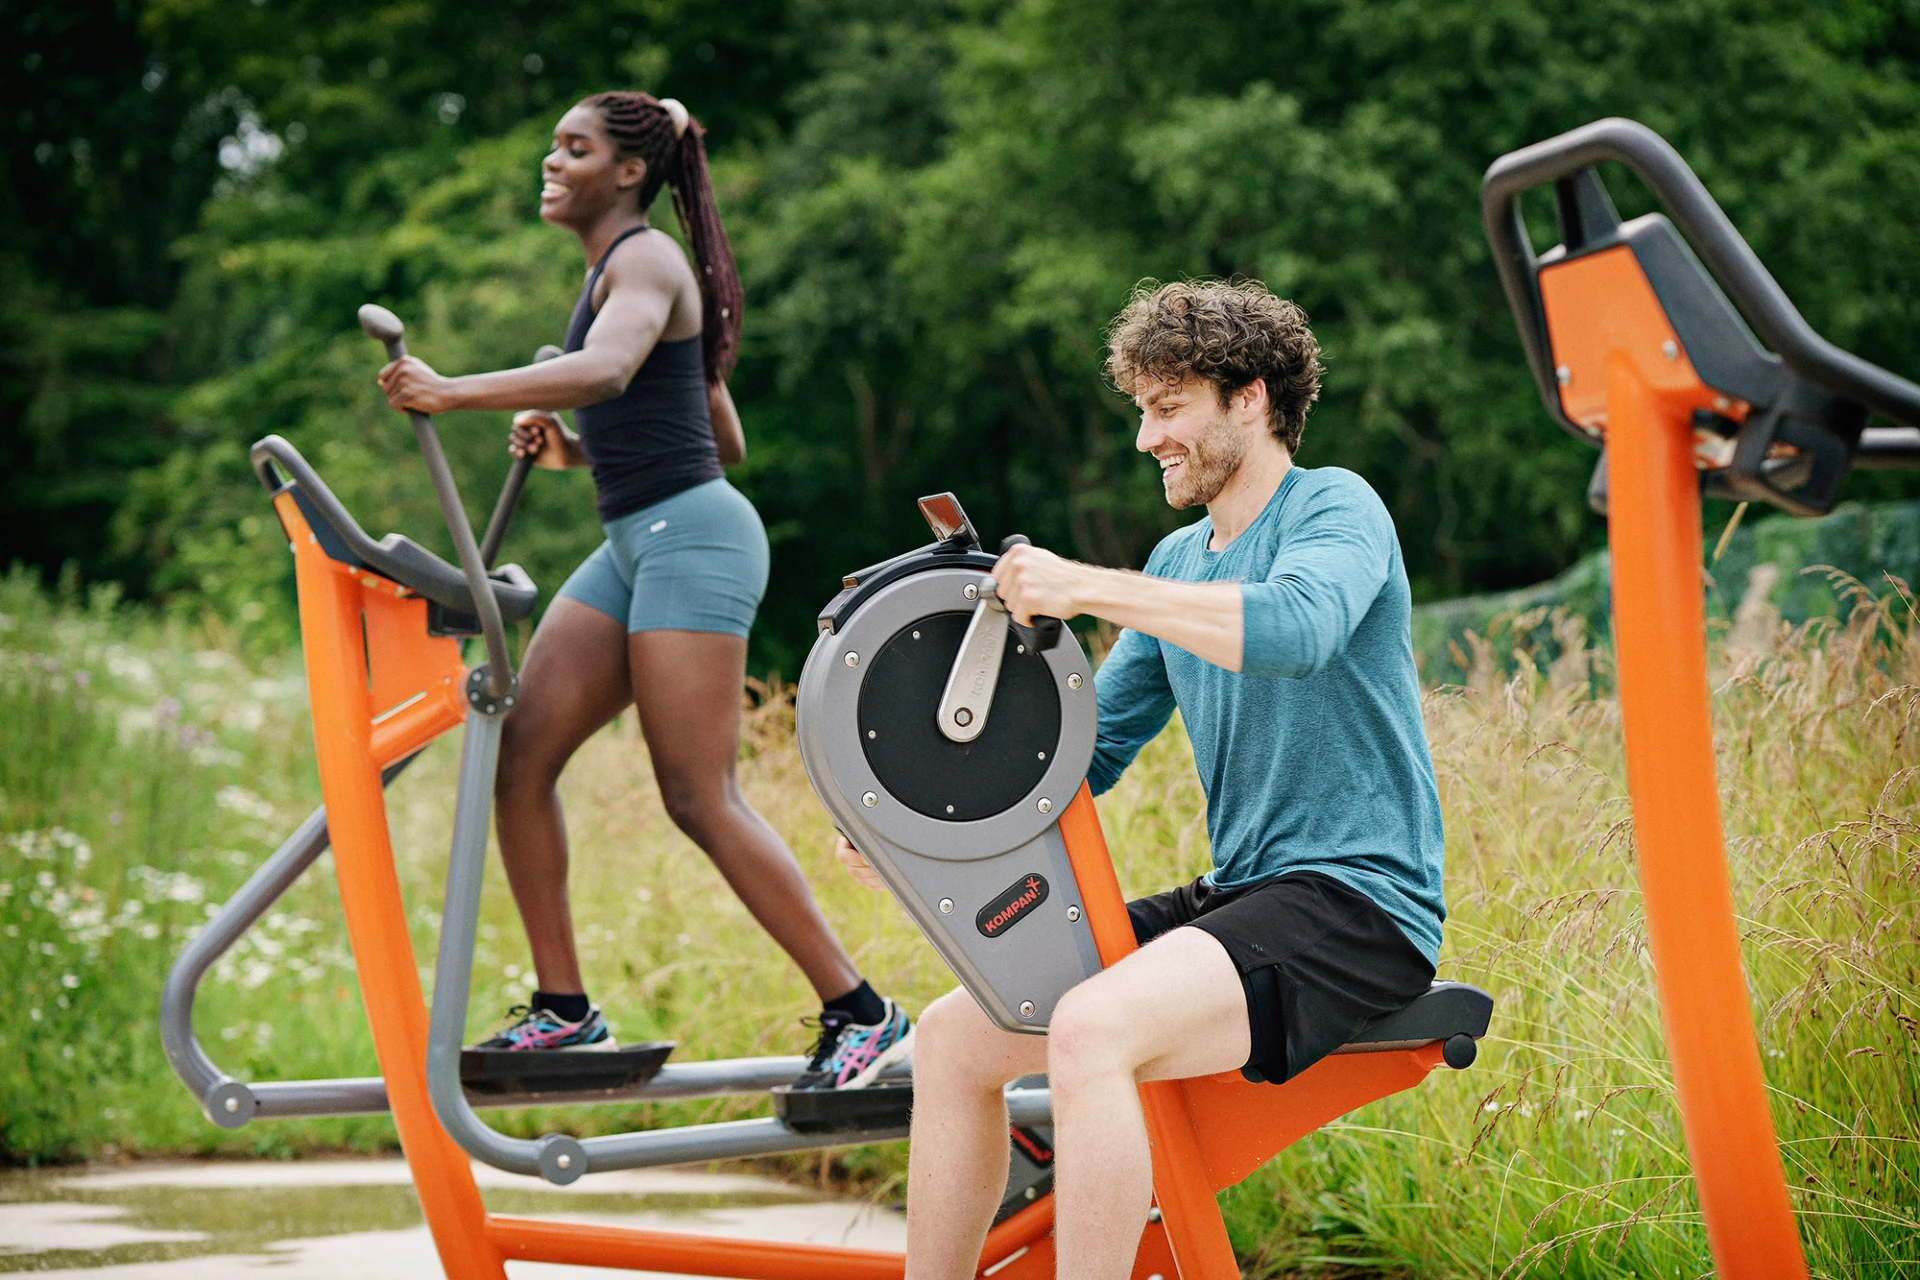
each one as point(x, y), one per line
point(880, 1106)
point(510, 1072)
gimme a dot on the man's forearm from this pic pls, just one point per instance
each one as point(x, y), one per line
point(1207, 619)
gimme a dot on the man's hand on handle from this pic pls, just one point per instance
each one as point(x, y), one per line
point(1035, 582)
point(857, 866)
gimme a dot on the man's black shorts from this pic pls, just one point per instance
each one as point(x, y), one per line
point(1318, 960)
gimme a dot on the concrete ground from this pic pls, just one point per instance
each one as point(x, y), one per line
point(328, 1219)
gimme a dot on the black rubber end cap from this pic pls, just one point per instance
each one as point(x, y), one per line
point(1459, 1051)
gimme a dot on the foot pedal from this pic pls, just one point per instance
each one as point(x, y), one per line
point(880, 1106)
point(497, 1073)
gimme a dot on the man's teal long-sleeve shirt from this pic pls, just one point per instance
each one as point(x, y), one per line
point(1313, 756)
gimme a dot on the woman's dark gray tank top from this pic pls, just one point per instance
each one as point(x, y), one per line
point(654, 439)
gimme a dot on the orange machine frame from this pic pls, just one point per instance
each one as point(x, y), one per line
point(1625, 373)
point(381, 688)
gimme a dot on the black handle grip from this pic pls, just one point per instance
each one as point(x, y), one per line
point(1045, 631)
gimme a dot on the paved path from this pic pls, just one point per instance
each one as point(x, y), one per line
point(327, 1219)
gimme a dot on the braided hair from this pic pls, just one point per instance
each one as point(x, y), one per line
point(671, 142)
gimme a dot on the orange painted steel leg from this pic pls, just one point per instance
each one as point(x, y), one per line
point(330, 609)
point(1660, 633)
point(1182, 1184)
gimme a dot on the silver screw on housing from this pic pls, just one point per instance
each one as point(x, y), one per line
point(1046, 805)
point(1073, 681)
point(946, 906)
point(869, 799)
point(1026, 1008)
point(853, 659)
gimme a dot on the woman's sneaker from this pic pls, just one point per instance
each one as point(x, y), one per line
point(545, 1029)
point(851, 1055)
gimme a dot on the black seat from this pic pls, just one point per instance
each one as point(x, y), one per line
point(395, 556)
point(1454, 1012)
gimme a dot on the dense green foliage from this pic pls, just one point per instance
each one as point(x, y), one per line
point(936, 208)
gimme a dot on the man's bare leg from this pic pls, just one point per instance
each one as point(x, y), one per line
point(957, 1159)
point(1173, 1009)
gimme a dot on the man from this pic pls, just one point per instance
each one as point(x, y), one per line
point(1278, 626)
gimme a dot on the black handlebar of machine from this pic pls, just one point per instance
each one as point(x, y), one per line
point(1839, 386)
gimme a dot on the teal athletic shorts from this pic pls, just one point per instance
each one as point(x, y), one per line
point(694, 562)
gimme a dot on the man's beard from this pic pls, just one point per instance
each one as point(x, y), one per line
point(1209, 463)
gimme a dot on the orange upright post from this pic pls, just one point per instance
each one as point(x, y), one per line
point(1660, 635)
point(333, 598)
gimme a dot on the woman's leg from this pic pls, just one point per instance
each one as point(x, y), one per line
point(574, 680)
point(687, 686)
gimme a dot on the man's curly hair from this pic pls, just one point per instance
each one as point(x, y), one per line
point(1230, 332)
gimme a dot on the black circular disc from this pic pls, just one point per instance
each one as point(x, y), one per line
point(924, 769)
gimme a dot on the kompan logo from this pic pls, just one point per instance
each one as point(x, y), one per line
point(1011, 905)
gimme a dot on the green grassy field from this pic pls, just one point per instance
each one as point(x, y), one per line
point(146, 768)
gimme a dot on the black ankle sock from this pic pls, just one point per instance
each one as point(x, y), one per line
point(572, 1008)
point(863, 1004)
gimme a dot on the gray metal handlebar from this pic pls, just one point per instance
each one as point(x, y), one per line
point(385, 327)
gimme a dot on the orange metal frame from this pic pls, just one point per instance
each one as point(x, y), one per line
point(381, 688)
point(1611, 336)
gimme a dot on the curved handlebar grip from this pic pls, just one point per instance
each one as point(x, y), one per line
point(1704, 224)
point(510, 491)
point(384, 327)
point(1045, 631)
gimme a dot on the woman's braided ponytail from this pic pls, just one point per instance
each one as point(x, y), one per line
point(673, 145)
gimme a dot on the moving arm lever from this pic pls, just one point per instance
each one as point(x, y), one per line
point(385, 327)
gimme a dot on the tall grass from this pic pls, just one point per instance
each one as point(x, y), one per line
point(138, 795)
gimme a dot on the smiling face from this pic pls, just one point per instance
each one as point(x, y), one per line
point(584, 177)
point(1198, 441)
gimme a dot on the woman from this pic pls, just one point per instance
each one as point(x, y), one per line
point(657, 616)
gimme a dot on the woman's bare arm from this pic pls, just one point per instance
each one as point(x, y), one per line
point(642, 283)
point(729, 437)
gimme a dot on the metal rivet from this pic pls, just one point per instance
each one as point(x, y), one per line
point(869, 799)
point(1046, 805)
point(1019, 648)
point(232, 1105)
point(853, 659)
point(1153, 1214)
point(563, 1160)
point(962, 716)
point(916, 635)
point(949, 808)
point(970, 591)
point(871, 735)
point(1032, 1193)
point(1073, 913)
point(1073, 681)
point(1670, 349)
point(1563, 375)
point(1043, 755)
point(946, 906)
point(1026, 1008)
